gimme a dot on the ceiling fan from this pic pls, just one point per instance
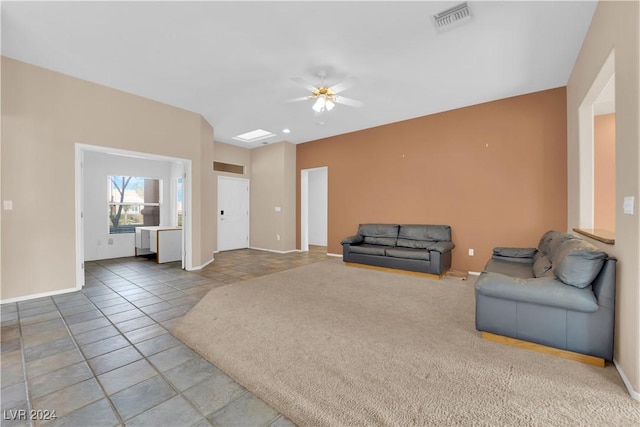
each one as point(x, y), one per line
point(327, 96)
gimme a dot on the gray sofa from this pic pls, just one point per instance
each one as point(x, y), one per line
point(560, 294)
point(413, 247)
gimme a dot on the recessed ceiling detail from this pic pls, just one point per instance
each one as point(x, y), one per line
point(254, 135)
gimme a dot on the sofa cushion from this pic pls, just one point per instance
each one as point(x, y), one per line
point(515, 252)
point(554, 244)
point(541, 265)
point(578, 262)
point(430, 233)
point(415, 244)
point(509, 268)
point(408, 253)
point(368, 249)
point(379, 234)
point(382, 241)
point(378, 230)
point(545, 241)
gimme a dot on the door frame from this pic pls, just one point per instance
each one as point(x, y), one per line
point(80, 149)
point(233, 178)
point(304, 205)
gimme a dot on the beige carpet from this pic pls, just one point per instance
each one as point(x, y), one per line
point(329, 344)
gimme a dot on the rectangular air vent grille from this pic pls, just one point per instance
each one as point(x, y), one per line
point(228, 167)
point(452, 17)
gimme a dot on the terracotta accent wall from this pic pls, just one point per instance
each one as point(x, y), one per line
point(604, 172)
point(496, 172)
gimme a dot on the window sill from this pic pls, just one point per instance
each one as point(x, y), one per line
point(604, 236)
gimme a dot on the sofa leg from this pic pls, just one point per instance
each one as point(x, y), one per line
point(394, 270)
point(578, 357)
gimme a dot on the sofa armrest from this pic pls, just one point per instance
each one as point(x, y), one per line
point(441, 247)
point(351, 240)
point(543, 291)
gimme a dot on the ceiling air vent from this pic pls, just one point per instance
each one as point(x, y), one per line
point(451, 18)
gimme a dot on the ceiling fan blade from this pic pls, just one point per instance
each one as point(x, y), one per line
point(348, 101)
point(302, 82)
point(346, 84)
point(302, 98)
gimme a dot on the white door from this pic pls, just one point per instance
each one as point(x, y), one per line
point(233, 213)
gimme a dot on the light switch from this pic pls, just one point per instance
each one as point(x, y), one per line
point(277, 209)
point(627, 205)
point(7, 205)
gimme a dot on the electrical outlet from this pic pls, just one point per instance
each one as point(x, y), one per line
point(471, 252)
point(277, 237)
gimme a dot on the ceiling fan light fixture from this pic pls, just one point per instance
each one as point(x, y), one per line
point(329, 105)
point(319, 105)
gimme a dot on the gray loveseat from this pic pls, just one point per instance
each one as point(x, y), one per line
point(560, 294)
point(413, 247)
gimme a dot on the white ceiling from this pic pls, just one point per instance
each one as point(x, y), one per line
point(233, 62)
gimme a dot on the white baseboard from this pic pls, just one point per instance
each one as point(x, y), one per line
point(200, 267)
point(36, 296)
point(474, 273)
point(273, 250)
point(634, 394)
point(336, 255)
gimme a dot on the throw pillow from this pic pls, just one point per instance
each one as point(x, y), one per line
point(545, 240)
point(578, 262)
point(541, 266)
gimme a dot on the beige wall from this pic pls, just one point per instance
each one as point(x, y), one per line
point(273, 169)
point(227, 153)
point(604, 172)
point(495, 172)
point(44, 114)
point(208, 226)
point(615, 25)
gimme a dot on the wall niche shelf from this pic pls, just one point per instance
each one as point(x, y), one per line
point(604, 236)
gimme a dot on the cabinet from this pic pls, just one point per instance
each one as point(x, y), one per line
point(165, 242)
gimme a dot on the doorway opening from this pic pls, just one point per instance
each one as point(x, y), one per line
point(597, 195)
point(93, 166)
point(314, 195)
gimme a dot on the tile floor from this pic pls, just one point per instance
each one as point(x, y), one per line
point(104, 356)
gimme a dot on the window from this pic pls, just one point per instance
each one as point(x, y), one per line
point(133, 202)
point(179, 201)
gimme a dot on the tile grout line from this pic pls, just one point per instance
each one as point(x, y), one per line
point(117, 273)
point(24, 366)
point(179, 393)
point(145, 358)
point(86, 361)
